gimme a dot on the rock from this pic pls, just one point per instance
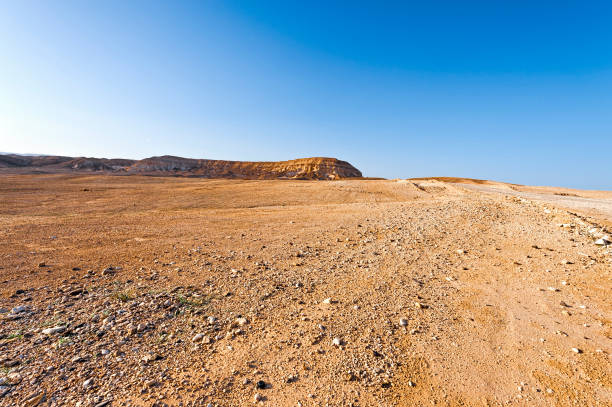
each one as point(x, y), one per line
point(35, 399)
point(4, 390)
point(10, 362)
point(242, 321)
point(19, 309)
point(576, 350)
point(88, 383)
point(197, 338)
point(260, 384)
point(54, 330)
point(108, 271)
point(403, 322)
point(337, 341)
point(552, 289)
point(604, 241)
point(258, 397)
point(151, 357)
point(14, 378)
point(327, 301)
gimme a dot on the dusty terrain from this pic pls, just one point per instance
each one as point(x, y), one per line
point(321, 168)
point(129, 291)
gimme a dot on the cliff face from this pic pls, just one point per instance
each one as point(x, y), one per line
point(304, 168)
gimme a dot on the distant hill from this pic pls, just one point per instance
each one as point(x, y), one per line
point(321, 168)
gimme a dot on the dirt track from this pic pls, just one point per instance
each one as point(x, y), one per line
point(597, 204)
point(492, 294)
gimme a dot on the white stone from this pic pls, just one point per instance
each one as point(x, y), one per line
point(54, 330)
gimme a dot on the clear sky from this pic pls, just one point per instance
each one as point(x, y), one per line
point(517, 91)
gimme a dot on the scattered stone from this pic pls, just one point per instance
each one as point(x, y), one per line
point(35, 399)
point(14, 378)
point(261, 384)
point(337, 341)
point(552, 289)
point(88, 383)
point(108, 271)
point(19, 309)
point(576, 350)
point(151, 357)
point(403, 322)
point(54, 330)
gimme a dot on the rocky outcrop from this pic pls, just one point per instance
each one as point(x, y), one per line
point(321, 168)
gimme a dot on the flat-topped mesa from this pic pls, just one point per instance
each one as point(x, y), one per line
point(320, 168)
point(303, 168)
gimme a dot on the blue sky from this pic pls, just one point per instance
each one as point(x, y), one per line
point(517, 91)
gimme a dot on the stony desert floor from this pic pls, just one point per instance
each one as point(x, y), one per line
point(136, 291)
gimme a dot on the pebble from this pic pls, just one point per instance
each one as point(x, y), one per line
point(14, 378)
point(337, 341)
point(258, 397)
point(19, 309)
point(54, 330)
point(87, 383)
point(603, 241)
point(403, 322)
point(576, 350)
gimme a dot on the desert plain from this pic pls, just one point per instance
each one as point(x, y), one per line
point(162, 291)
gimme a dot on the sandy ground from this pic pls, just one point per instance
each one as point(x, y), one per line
point(163, 291)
